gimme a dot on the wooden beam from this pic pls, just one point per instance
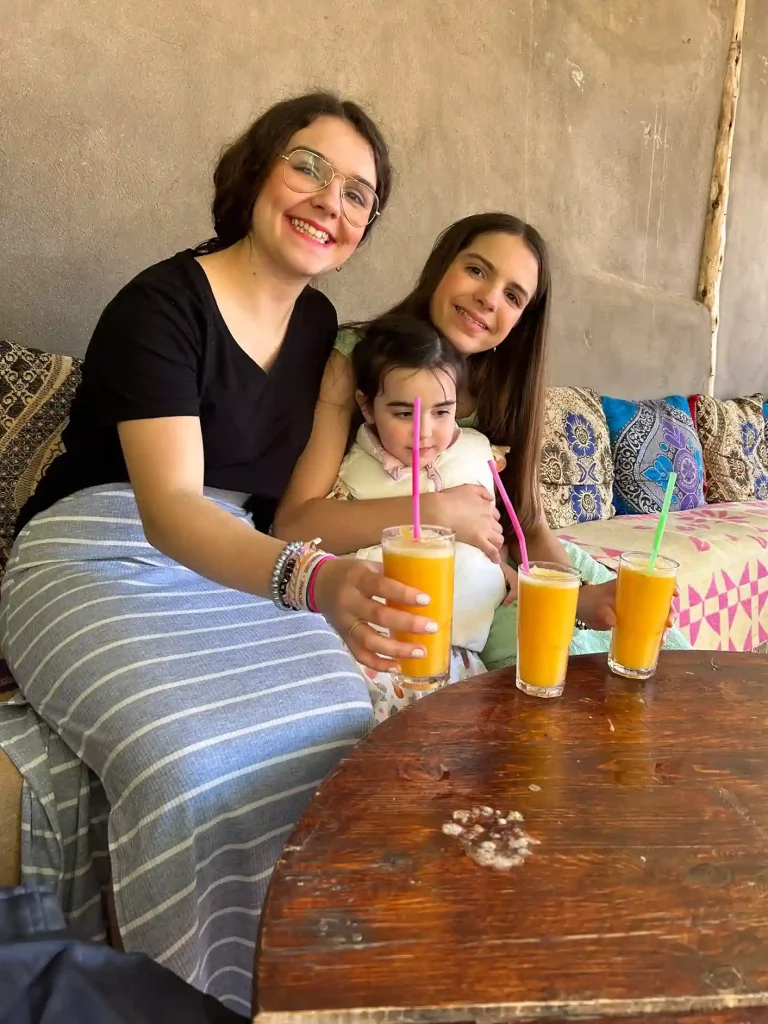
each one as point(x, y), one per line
point(713, 249)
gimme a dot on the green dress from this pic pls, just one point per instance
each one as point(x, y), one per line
point(501, 649)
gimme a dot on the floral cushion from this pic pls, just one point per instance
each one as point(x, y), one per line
point(576, 466)
point(36, 390)
point(733, 440)
point(650, 440)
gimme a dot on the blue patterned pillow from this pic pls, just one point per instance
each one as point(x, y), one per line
point(649, 440)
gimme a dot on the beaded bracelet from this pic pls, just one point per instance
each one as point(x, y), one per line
point(293, 577)
point(280, 576)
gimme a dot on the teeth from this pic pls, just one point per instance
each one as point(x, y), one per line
point(471, 319)
point(308, 229)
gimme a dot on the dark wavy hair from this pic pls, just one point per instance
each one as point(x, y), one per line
point(244, 165)
point(508, 384)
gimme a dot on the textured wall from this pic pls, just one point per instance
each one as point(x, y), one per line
point(743, 346)
point(594, 120)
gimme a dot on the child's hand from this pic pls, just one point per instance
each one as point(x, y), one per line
point(510, 577)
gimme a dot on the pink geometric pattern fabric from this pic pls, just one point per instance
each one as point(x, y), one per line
point(723, 556)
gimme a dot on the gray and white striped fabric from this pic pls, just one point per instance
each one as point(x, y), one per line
point(179, 725)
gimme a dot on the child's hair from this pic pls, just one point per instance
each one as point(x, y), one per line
point(401, 340)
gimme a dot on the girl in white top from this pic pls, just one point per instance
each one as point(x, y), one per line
point(399, 358)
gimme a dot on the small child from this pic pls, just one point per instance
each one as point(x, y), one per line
point(399, 358)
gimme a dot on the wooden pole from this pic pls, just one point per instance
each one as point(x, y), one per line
point(713, 250)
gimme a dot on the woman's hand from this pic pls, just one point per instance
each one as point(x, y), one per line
point(344, 593)
point(469, 510)
point(596, 607)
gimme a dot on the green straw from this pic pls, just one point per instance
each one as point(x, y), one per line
point(659, 535)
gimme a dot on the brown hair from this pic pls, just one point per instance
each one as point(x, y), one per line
point(244, 165)
point(399, 339)
point(508, 384)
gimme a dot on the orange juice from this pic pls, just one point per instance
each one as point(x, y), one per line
point(547, 596)
point(426, 564)
point(643, 600)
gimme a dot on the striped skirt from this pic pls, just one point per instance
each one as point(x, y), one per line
point(170, 733)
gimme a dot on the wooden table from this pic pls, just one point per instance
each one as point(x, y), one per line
point(646, 898)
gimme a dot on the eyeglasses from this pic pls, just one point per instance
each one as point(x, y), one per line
point(306, 172)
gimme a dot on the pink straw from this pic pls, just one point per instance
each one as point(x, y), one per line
point(416, 470)
point(511, 512)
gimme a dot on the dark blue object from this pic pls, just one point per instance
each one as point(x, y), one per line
point(47, 977)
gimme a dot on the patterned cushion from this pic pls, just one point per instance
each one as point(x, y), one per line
point(36, 389)
point(650, 440)
point(733, 439)
point(576, 465)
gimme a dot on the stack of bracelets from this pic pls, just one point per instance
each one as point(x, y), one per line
point(294, 575)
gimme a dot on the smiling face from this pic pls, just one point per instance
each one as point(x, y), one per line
point(308, 234)
point(392, 412)
point(485, 291)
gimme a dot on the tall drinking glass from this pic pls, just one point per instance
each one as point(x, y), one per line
point(643, 601)
point(426, 564)
point(547, 595)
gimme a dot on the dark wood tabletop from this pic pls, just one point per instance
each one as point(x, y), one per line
point(620, 871)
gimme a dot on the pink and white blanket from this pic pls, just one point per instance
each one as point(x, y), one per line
point(723, 556)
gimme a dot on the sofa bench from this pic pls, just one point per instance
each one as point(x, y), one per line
point(722, 548)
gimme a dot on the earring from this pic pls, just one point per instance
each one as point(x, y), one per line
point(338, 270)
point(494, 348)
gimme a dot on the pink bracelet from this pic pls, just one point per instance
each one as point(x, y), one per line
point(311, 588)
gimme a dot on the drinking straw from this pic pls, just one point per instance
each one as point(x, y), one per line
point(511, 513)
point(659, 535)
point(416, 471)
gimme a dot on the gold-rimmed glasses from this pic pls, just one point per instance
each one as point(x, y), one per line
point(307, 172)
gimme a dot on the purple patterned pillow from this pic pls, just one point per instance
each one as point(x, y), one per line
point(650, 440)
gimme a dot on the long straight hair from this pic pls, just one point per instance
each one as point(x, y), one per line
point(508, 384)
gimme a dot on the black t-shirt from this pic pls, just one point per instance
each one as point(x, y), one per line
point(161, 348)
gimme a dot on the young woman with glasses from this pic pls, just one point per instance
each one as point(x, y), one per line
point(187, 692)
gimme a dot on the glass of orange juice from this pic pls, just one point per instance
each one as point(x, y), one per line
point(426, 564)
point(547, 595)
point(643, 600)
